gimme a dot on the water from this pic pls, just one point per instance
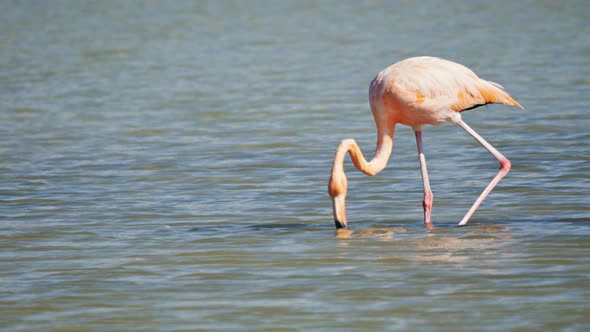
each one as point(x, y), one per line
point(164, 167)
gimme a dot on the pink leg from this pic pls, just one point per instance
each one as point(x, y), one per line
point(504, 168)
point(427, 203)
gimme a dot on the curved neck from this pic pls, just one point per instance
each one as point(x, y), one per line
point(380, 158)
point(338, 186)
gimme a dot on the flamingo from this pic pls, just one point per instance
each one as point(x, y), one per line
point(415, 92)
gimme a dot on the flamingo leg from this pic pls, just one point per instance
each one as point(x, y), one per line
point(428, 197)
point(504, 169)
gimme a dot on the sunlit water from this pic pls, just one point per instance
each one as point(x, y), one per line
point(164, 167)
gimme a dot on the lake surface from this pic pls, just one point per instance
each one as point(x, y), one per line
point(164, 166)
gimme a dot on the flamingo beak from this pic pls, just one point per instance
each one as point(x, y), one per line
point(339, 208)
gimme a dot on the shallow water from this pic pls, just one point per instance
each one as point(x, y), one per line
point(164, 167)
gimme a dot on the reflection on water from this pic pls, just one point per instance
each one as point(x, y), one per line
point(164, 167)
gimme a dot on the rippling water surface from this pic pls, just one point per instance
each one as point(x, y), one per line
point(164, 167)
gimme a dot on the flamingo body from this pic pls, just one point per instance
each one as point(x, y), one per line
point(428, 90)
point(415, 92)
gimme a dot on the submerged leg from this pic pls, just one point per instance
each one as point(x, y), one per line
point(504, 168)
point(428, 197)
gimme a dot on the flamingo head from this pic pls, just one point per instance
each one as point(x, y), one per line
point(337, 188)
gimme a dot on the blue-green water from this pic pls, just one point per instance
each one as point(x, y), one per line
point(164, 166)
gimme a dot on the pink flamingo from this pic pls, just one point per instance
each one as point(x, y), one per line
point(415, 92)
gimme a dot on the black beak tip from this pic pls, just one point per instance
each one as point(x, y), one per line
point(339, 224)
